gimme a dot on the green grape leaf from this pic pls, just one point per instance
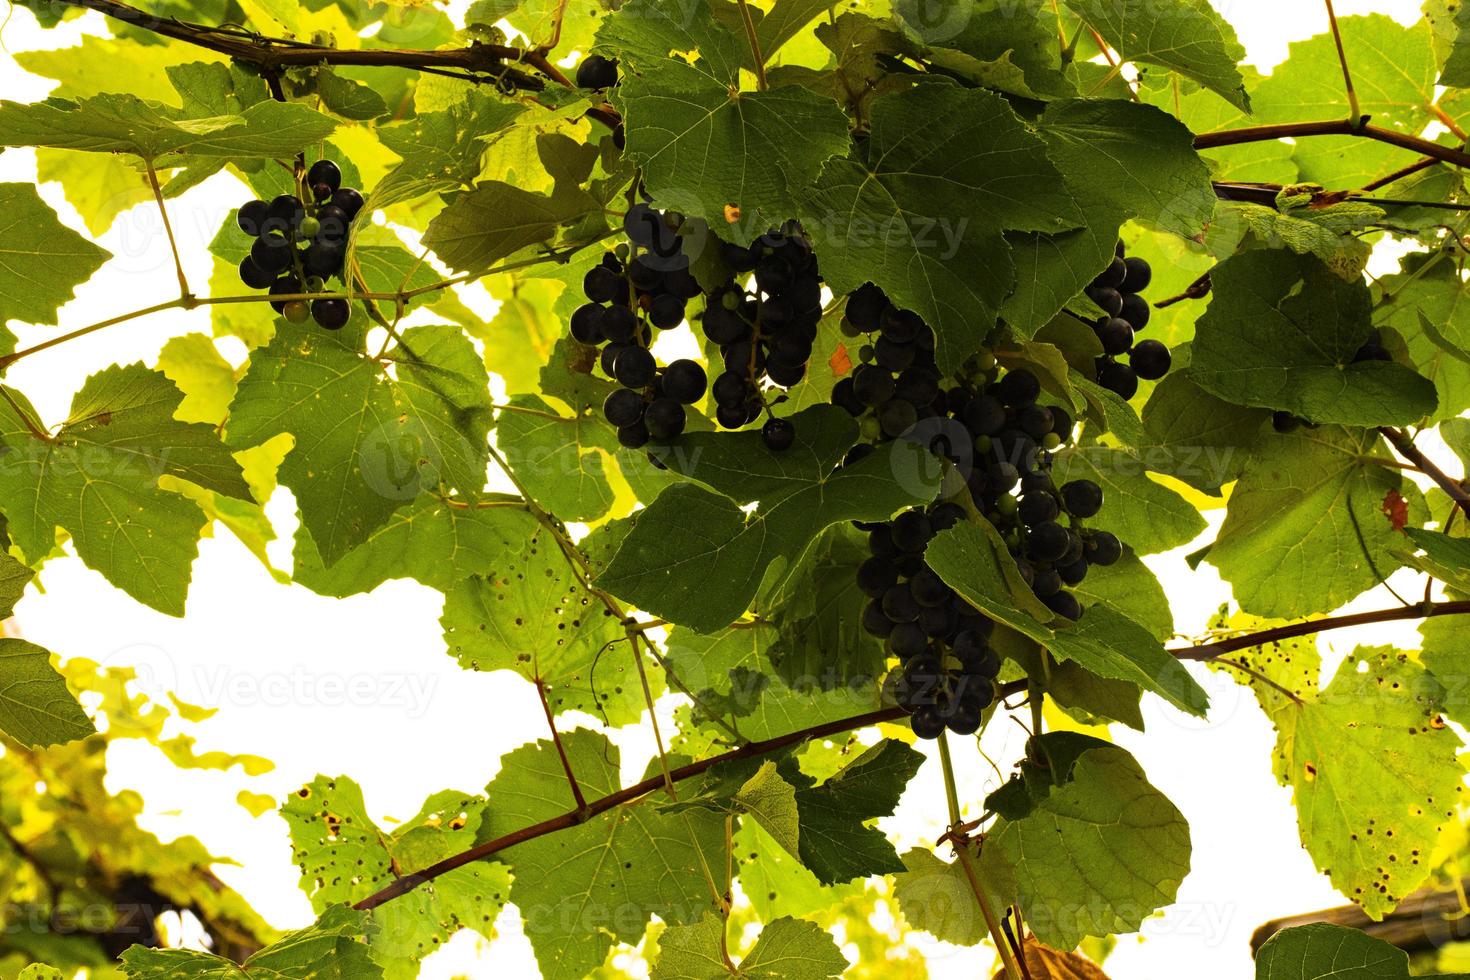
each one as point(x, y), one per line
point(441, 150)
point(367, 440)
point(14, 577)
point(437, 542)
point(1187, 36)
point(43, 260)
point(976, 565)
point(1311, 229)
point(1095, 855)
point(976, 37)
point(702, 144)
point(495, 220)
point(1195, 437)
point(561, 460)
point(344, 857)
point(116, 123)
point(98, 478)
point(330, 949)
point(732, 673)
point(528, 613)
point(1147, 515)
point(36, 708)
point(691, 535)
point(1323, 951)
point(633, 860)
point(1121, 160)
point(348, 98)
point(836, 843)
point(1427, 294)
point(1372, 789)
point(944, 172)
point(1281, 332)
point(1305, 531)
point(1394, 73)
point(1444, 557)
point(935, 896)
point(787, 949)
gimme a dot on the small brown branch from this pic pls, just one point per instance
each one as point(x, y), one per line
point(755, 45)
point(1405, 447)
point(1400, 174)
point(1252, 672)
point(561, 751)
point(184, 295)
point(1310, 627)
point(276, 53)
point(1331, 127)
point(753, 750)
point(1198, 289)
point(1355, 114)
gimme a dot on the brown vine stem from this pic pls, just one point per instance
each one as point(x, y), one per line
point(1331, 127)
point(1355, 114)
point(755, 45)
point(961, 842)
point(275, 53)
point(1405, 447)
point(168, 229)
point(566, 764)
point(751, 750)
point(1400, 174)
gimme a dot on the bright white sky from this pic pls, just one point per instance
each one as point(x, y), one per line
point(362, 686)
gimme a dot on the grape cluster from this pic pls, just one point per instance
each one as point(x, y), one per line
point(634, 290)
point(947, 670)
point(299, 246)
point(896, 381)
point(1118, 290)
point(764, 320)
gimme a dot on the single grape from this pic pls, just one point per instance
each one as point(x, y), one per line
point(1037, 508)
point(1103, 548)
point(586, 324)
point(684, 381)
point(1150, 360)
point(778, 434)
point(1116, 335)
point(1019, 387)
point(876, 621)
point(1064, 604)
point(595, 71)
point(664, 417)
point(1140, 274)
point(324, 173)
point(1136, 311)
point(875, 576)
point(323, 260)
point(1074, 573)
point(600, 284)
point(1109, 300)
point(286, 285)
point(872, 386)
point(1111, 277)
point(1046, 582)
point(252, 217)
point(287, 211)
point(271, 255)
point(254, 276)
point(1119, 379)
point(666, 311)
point(1082, 498)
point(635, 368)
point(908, 640)
point(962, 716)
point(634, 436)
point(865, 305)
point(984, 416)
point(1047, 541)
point(912, 531)
point(899, 604)
point(896, 416)
point(623, 406)
point(349, 199)
point(618, 323)
point(926, 722)
point(331, 314)
point(297, 311)
point(1035, 420)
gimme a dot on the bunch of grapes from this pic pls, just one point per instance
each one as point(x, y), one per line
point(994, 430)
point(1118, 290)
point(896, 383)
point(947, 670)
point(764, 327)
point(299, 246)
point(634, 290)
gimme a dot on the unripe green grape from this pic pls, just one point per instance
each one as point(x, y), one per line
point(297, 311)
point(315, 284)
point(1006, 505)
point(310, 227)
point(1051, 442)
point(622, 251)
point(985, 361)
point(870, 429)
point(983, 445)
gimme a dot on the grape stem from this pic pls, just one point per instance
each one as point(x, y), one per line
point(1406, 448)
point(752, 750)
point(1331, 127)
point(561, 751)
point(961, 842)
point(185, 297)
point(271, 54)
point(1355, 114)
